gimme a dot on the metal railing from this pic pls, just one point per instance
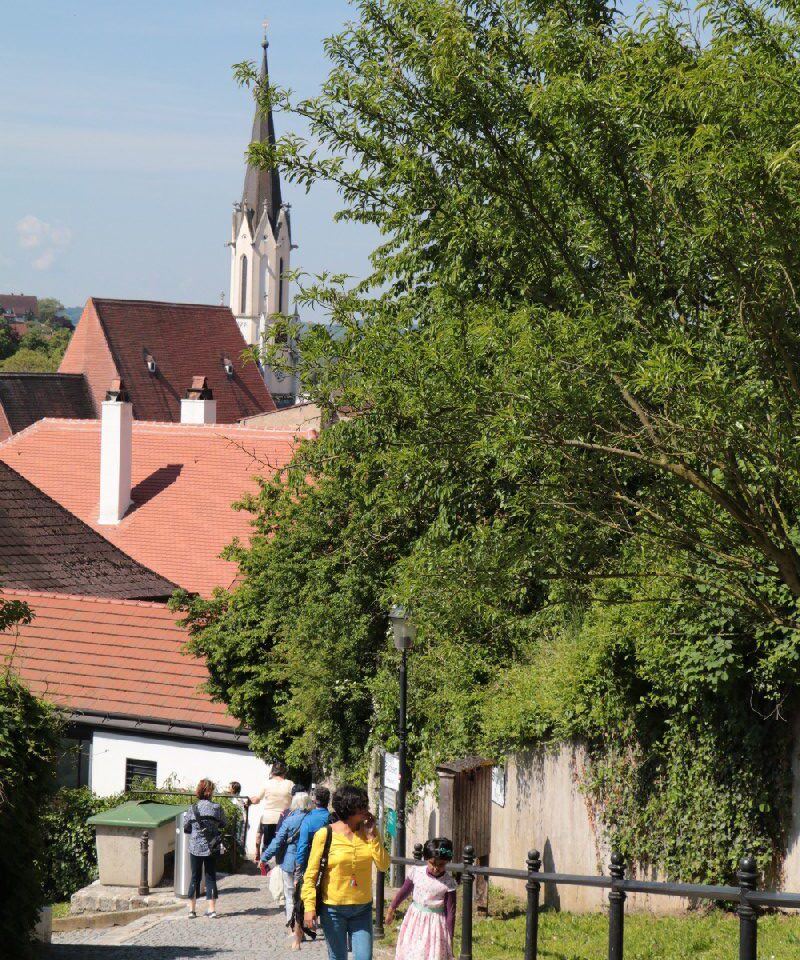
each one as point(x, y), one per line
point(748, 898)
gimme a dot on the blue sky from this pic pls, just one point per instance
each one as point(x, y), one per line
point(123, 136)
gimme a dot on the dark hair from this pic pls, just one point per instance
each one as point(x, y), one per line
point(348, 801)
point(235, 787)
point(205, 789)
point(322, 796)
point(298, 788)
point(278, 769)
point(438, 848)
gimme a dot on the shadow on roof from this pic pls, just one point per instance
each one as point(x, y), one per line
point(157, 482)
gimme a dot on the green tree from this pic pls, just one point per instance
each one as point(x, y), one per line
point(49, 308)
point(575, 369)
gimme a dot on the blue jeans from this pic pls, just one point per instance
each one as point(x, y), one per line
point(338, 921)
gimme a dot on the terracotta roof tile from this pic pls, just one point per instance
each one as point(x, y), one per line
point(111, 656)
point(184, 478)
point(113, 337)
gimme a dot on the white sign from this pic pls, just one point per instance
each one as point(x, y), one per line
point(390, 798)
point(499, 786)
point(391, 771)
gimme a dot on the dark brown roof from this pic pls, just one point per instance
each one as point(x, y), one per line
point(115, 337)
point(28, 397)
point(45, 547)
point(18, 304)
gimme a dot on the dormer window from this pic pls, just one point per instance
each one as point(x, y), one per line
point(227, 367)
point(150, 361)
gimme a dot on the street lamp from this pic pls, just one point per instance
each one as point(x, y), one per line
point(404, 633)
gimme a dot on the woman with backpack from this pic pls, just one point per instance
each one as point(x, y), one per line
point(283, 847)
point(205, 822)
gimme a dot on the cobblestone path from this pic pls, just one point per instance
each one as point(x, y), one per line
point(248, 927)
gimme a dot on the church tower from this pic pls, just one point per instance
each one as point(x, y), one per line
point(261, 245)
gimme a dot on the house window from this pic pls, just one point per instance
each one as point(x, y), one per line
point(243, 303)
point(72, 766)
point(140, 770)
point(280, 287)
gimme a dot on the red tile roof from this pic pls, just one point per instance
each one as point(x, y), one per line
point(114, 337)
point(110, 656)
point(45, 547)
point(18, 304)
point(184, 479)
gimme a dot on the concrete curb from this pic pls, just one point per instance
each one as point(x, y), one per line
point(116, 918)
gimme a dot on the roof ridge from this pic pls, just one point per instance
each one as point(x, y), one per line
point(161, 303)
point(158, 425)
point(14, 591)
point(51, 373)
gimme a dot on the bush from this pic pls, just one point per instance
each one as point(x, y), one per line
point(29, 742)
point(70, 861)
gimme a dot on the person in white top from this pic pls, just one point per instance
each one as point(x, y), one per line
point(277, 796)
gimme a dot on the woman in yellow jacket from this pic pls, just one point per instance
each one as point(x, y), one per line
point(346, 888)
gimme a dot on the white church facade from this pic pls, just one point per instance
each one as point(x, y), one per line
point(261, 248)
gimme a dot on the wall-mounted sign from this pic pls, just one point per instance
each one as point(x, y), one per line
point(499, 786)
point(389, 798)
point(391, 771)
point(391, 823)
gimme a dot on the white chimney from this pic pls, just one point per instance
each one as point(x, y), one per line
point(199, 405)
point(116, 453)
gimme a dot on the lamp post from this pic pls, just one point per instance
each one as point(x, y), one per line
point(404, 633)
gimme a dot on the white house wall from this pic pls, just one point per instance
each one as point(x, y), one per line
point(186, 763)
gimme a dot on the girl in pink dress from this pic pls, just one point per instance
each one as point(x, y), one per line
point(427, 929)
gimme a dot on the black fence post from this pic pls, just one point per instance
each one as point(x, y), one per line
point(534, 864)
point(144, 866)
point(748, 914)
point(378, 931)
point(418, 848)
point(467, 880)
point(616, 911)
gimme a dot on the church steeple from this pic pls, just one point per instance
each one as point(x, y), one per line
point(262, 188)
point(261, 247)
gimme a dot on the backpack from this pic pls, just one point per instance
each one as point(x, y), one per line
point(210, 833)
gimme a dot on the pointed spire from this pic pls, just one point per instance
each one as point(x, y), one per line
point(262, 187)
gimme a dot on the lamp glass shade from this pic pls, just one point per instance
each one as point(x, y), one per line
point(402, 628)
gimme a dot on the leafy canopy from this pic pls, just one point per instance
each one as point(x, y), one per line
point(575, 373)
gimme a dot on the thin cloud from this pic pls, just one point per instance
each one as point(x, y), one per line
point(45, 238)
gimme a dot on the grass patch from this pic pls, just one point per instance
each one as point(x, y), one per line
point(572, 936)
point(60, 910)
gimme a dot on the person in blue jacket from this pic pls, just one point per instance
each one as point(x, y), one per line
point(283, 847)
point(318, 817)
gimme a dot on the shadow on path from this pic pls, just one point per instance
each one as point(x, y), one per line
point(96, 951)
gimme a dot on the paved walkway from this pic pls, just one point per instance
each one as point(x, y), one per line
point(249, 927)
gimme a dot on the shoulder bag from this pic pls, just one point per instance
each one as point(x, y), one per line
point(323, 865)
point(213, 838)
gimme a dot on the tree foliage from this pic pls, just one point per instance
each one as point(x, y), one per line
point(575, 373)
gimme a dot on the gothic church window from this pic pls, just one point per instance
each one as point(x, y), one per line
point(243, 304)
point(280, 287)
